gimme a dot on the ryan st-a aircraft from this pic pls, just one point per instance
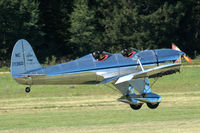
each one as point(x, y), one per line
point(128, 71)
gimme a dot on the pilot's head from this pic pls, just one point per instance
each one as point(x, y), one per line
point(96, 54)
point(124, 52)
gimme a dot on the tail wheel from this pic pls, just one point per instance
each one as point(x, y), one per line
point(136, 106)
point(152, 105)
point(27, 89)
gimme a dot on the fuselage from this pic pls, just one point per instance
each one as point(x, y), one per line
point(87, 70)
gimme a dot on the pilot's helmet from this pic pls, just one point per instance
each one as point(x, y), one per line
point(96, 54)
point(124, 52)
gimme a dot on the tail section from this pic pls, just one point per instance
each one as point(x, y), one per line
point(23, 58)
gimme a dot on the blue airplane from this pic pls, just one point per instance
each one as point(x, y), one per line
point(128, 71)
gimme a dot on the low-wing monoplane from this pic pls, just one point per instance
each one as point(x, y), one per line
point(127, 71)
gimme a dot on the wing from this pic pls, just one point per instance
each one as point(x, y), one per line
point(152, 73)
point(137, 80)
point(158, 71)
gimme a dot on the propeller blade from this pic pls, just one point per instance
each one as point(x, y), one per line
point(188, 59)
point(175, 47)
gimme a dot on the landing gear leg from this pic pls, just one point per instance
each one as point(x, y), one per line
point(27, 89)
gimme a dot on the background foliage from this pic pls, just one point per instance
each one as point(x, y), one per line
point(70, 29)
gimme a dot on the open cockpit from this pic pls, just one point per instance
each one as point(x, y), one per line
point(100, 56)
point(128, 53)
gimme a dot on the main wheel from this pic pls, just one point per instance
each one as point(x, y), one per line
point(152, 105)
point(27, 89)
point(136, 106)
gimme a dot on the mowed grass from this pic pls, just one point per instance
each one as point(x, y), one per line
point(93, 108)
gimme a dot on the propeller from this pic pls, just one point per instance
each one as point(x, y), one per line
point(188, 59)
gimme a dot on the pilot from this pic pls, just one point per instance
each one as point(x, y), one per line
point(128, 54)
point(125, 52)
point(96, 55)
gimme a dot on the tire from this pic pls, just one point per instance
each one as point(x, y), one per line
point(135, 106)
point(27, 89)
point(152, 105)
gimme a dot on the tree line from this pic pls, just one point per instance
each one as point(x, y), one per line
point(71, 29)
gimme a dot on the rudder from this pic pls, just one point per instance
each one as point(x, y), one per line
point(23, 58)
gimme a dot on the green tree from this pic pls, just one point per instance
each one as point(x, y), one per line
point(189, 30)
point(82, 28)
point(18, 19)
point(148, 24)
point(54, 14)
point(74, 28)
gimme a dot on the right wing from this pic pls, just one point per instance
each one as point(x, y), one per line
point(138, 83)
point(158, 71)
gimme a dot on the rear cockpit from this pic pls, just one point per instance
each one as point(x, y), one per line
point(101, 56)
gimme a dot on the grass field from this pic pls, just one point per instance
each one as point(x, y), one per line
point(94, 109)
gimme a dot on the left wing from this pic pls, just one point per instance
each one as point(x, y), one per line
point(151, 73)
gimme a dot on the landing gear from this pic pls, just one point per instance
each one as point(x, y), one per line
point(152, 105)
point(136, 106)
point(27, 89)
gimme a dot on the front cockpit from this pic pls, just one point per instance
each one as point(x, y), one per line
point(128, 53)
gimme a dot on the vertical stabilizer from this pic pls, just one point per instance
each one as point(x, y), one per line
point(23, 58)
